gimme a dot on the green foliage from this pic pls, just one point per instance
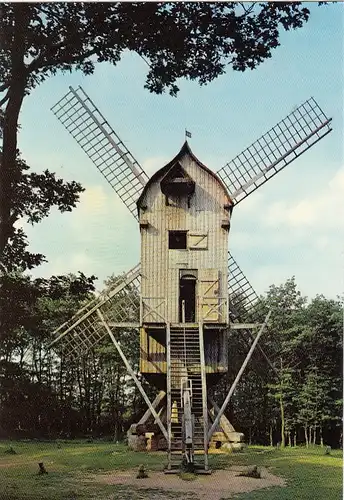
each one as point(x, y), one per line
point(205, 37)
point(10, 451)
point(44, 392)
point(298, 402)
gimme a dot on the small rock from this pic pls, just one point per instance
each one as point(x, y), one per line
point(142, 473)
point(42, 469)
point(251, 471)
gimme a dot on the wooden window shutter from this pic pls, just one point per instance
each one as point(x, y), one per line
point(209, 293)
point(198, 241)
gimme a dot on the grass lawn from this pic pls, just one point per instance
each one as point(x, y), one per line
point(310, 474)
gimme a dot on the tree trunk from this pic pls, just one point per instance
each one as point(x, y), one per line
point(271, 436)
point(341, 439)
point(60, 379)
point(289, 438)
point(16, 91)
point(310, 435)
point(282, 422)
point(321, 437)
point(306, 435)
point(314, 435)
point(295, 438)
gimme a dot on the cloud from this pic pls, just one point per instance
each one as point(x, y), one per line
point(274, 237)
point(326, 207)
point(99, 237)
point(74, 262)
point(93, 199)
point(153, 164)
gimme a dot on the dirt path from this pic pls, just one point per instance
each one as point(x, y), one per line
point(219, 485)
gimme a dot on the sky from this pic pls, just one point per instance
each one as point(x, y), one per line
point(291, 226)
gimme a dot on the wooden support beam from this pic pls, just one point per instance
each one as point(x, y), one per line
point(155, 405)
point(123, 325)
point(169, 402)
point(244, 326)
point(238, 377)
point(204, 395)
point(225, 424)
point(132, 374)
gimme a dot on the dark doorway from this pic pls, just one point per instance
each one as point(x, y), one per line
point(187, 296)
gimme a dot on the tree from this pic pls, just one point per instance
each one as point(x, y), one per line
point(305, 343)
point(192, 40)
point(30, 309)
point(322, 353)
point(31, 396)
point(315, 405)
point(33, 197)
point(284, 392)
point(287, 306)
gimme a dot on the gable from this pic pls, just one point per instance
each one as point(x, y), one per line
point(173, 175)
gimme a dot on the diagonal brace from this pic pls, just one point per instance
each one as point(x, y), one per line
point(238, 377)
point(133, 376)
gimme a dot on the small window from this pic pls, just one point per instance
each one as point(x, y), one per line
point(177, 240)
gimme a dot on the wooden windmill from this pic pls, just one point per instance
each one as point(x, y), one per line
point(187, 276)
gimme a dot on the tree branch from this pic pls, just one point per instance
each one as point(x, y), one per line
point(4, 99)
point(4, 86)
point(39, 63)
point(49, 13)
point(247, 10)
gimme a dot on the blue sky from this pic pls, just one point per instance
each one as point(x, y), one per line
point(293, 225)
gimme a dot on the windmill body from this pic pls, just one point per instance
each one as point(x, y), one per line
point(191, 288)
point(184, 217)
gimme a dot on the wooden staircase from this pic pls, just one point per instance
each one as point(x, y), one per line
point(186, 362)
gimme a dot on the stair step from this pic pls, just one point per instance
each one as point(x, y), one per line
point(180, 358)
point(181, 343)
point(185, 349)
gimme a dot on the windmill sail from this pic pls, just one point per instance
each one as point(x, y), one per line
point(244, 305)
point(242, 296)
point(118, 304)
point(102, 145)
point(278, 147)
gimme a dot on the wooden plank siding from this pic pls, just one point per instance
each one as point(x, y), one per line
point(159, 265)
point(153, 351)
point(205, 218)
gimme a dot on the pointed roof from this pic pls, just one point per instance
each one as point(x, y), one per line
point(184, 151)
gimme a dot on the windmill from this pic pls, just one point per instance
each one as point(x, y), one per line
point(186, 273)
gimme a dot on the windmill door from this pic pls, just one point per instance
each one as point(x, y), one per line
point(208, 294)
point(187, 295)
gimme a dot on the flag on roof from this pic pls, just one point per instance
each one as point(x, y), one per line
point(187, 134)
